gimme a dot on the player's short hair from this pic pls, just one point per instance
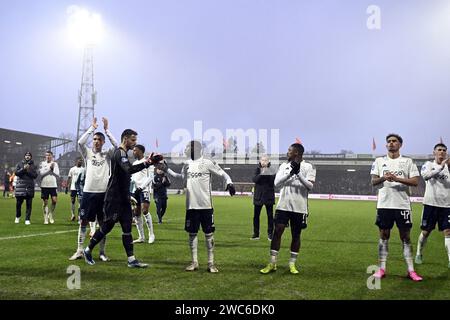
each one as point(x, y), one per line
point(127, 133)
point(101, 135)
point(440, 145)
point(400, 139)
point(195, 149)
point(48, 151)
point(298, 147)
point(195, 144)
point(28, 153)
point(140, 147)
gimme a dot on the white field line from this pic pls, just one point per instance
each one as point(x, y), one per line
point(37, 235)
point(60, 232)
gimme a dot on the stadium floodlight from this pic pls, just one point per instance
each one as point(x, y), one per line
point(351, 170)
point(19, 143)
point(84, 28)
point(6, 141)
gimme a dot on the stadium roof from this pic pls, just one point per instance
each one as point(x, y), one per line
point(20, 138)
point(14, 144)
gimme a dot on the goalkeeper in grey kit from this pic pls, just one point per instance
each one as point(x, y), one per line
point(196, 173)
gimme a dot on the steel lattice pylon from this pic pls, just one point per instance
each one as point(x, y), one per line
point(87, 96)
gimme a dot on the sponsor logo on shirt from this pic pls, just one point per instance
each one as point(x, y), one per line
point(98, 163)
point(396, 173)
point(194, 174)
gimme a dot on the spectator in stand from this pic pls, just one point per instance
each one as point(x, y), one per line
point(6, 184)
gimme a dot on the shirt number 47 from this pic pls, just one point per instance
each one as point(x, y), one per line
point(406, 215)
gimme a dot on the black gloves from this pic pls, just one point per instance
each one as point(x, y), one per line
point(231, 189)
point(153, 159)
point(156, 158)
point(295, 167)
point(67, 190)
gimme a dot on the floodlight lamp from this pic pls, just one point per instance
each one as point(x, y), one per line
point(84, 27)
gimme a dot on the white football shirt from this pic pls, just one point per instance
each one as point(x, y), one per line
point(97, 164)
point(394, 195)
point(98, 169)
point(437, 187)
point(74, 172)
point(197, 174)
point(142, 179)
point(293, 194)
point(48, 177)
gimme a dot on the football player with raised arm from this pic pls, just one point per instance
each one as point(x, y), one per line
point(98, 163)
point(117, 206)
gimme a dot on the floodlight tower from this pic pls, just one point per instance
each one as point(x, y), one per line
point(85, 29)
point(87, 96)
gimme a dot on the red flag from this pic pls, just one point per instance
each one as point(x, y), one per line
point(156, 143)
point(225, 144)
point(374, 145)
point(297, 140)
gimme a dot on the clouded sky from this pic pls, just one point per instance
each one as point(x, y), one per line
point(311, 69)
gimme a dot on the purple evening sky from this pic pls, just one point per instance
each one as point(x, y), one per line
point(311, 69)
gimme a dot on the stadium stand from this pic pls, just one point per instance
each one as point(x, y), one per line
point(336, 174)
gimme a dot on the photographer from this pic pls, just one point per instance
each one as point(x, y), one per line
point(26, 172)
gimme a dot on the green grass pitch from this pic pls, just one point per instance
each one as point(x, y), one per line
point(337, 247)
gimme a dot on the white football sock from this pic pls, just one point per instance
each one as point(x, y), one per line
point(92, 227)
point(149, 222)
point(193, 244)
point(383, 251)
point(293, 257)
point(447, 246)
point(421, 244)
point(407, 253)
point(81, 236)
point(140, 226)
point(210, 247)
point(273, 256)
